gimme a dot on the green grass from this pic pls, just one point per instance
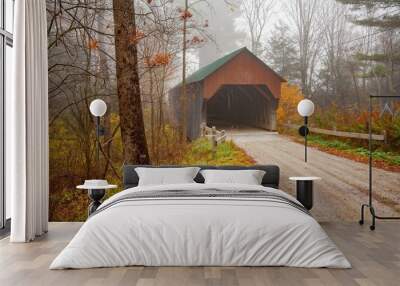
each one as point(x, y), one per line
point(227, 153)
point(71, 205)
point(388, 157)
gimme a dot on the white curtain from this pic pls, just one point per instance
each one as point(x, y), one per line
point(27, 124)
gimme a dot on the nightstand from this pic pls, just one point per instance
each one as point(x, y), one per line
point(96, 193)
point(304, 190)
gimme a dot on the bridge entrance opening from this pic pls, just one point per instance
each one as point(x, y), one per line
point(239, 106)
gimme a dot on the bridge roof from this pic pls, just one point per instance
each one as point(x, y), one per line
point(208, 70)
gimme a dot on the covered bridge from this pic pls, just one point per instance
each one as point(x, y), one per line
point(237, 89)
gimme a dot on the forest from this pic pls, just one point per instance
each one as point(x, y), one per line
point(131, 53)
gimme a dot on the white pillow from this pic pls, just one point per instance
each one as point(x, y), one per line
point(247, 177)
point(166, 176)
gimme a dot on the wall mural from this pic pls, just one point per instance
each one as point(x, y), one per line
point(169, 71)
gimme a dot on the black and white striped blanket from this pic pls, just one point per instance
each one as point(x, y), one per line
point(205, 194)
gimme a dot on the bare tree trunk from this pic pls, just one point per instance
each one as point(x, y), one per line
point(160, 125)
point(101, 84)
point(184, 90)
point(152, 116)
point(160, 128)
point(128, 87)
point(355, 84)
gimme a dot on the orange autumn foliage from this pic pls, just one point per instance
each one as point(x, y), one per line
point(160, 59)
point(93, 44)
point(363, 117)
point(135, 37)
point(290, 97)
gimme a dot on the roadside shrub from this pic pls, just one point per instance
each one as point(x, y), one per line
point(200, 153)
point(287, 111)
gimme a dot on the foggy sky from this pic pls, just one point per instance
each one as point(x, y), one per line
point(228, 29)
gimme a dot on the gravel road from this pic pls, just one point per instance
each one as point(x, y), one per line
point(343, 188)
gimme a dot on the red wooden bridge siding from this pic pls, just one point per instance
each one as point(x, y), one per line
point(238, 88)
point(244, 69)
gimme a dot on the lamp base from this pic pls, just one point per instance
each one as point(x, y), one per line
point(95, 196)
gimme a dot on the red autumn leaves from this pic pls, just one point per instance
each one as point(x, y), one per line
point(133, 38)
point(159, 59)
point(185, 14)
point(196, 40)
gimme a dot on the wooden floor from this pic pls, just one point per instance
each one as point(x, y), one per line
point(375, 257)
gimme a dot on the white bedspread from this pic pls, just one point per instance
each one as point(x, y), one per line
point(202, 232)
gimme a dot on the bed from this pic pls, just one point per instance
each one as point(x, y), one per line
point(198, 224)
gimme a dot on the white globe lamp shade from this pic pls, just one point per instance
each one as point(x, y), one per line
point(305, 108)
point(98, 107)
